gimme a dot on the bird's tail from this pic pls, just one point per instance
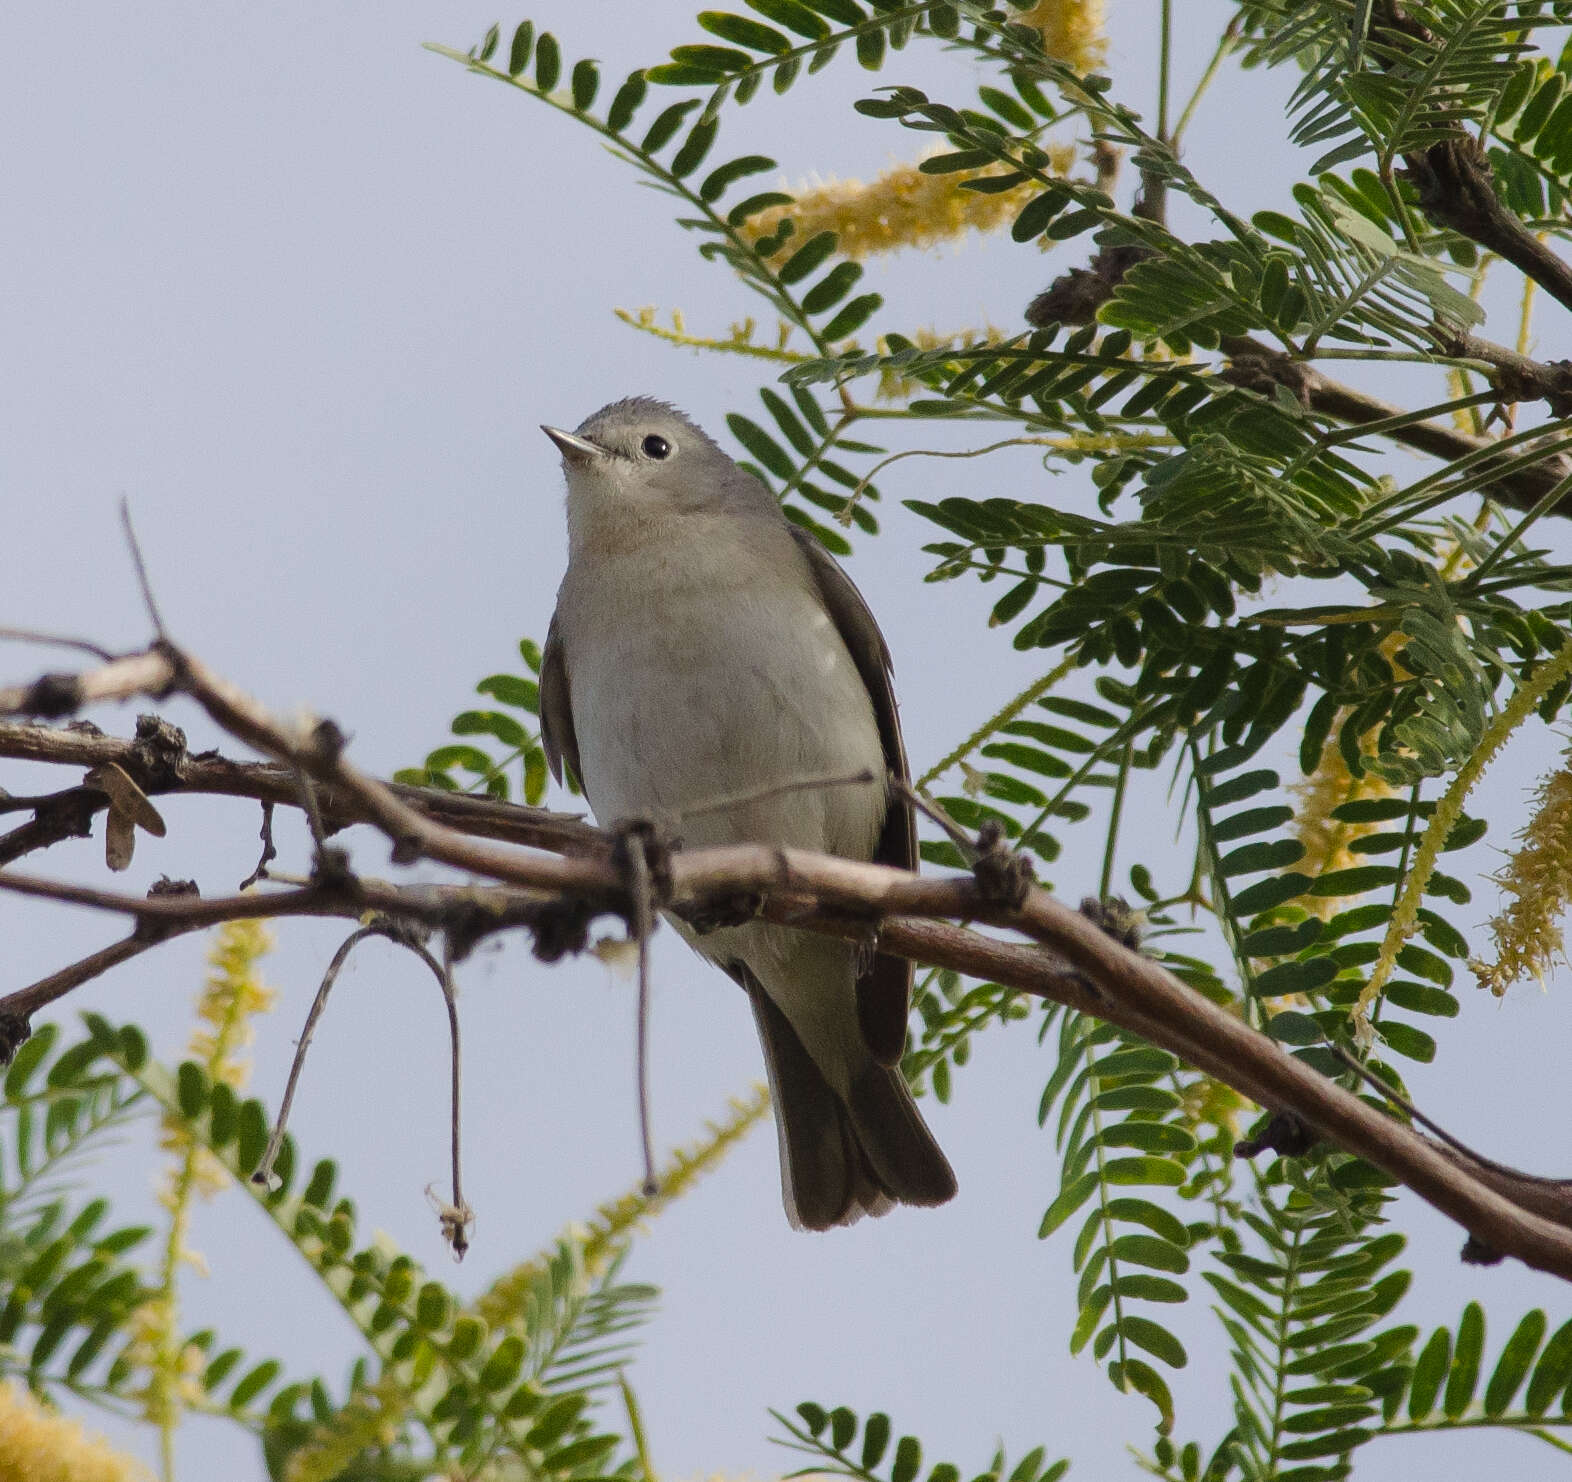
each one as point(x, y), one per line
point(842, 1159)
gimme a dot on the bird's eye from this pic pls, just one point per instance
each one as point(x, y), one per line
point(655, 446)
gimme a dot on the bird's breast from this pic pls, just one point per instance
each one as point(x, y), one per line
point(724, 708)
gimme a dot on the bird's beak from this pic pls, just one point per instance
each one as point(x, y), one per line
point(575, 449)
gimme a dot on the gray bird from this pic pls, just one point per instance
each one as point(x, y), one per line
point(705, 651)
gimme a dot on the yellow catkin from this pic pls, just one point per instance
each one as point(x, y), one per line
point(232, 996)
point(901, 208)
point(1538, 885)
point(1074, 31)
point(1327, 839)
point(37, 1445)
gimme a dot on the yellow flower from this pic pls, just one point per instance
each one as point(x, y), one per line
point(1538, 882)
point(901, 208)
point(1074, 31)
point(37, 1445)
point(1326, 839)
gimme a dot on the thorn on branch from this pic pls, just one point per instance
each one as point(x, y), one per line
point(269, 849)
point(1476, 1252)
point(1283, 1132)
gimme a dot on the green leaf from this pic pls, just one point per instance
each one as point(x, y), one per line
point(1266, 854)
point(27, 1059)
point(1513, 1365)
point(548, 62)
point(694, 148)
point(852, 316)
point(720, 179)
point(1070, 1199)
point(1265, 894)
point(908, 1460)
point(1152, 1251)
point(1463, 1374)
point(1141, 1378)
point(744, 32)
point(831, 288)
point(623, 106)
point(521, 50)
point(254, 1383)
point(875, 1438)
point(512, 689)
point(807, 258)
point(1035, 215)
point(666, 124)
point(490, 723)
point(585, 84)
point(1155, 1339)
point(1553, 1372)
point(761, 445)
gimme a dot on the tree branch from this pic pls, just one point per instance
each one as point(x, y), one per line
point(1068, 958)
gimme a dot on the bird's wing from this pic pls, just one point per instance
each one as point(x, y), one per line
point(884, 991)
point(556, 713)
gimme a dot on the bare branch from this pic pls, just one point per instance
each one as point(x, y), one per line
point(1068, 957)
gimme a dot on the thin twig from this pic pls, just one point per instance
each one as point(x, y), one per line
point(643, 924)
point(456, 1223)
point(56, 640)
point(1067, 958)
point(1403, 1104)
point(264, 1170)
point(779, 789)
point(141, 569)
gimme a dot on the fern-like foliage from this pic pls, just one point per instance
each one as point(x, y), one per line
point(439, 1387)
point(830, 1438)
point(67, 1274)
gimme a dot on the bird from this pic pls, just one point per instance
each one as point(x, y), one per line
point(711, 669)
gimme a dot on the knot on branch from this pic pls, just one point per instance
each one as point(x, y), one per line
point(1454, 186)
point(160, 753)
point(1004, 877)
point(561, 929)
point(51, 696)
point(1116, 918)
point(150, 928)
point(1477, 1252)
point(330, 868)
point(723, 911)
point(1076, 296)
point(1264, 371)
point(1550, 382)
point(1283, 1132)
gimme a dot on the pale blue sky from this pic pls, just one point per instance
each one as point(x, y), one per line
point(303, 291)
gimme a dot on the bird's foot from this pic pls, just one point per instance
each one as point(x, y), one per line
point(640, 847)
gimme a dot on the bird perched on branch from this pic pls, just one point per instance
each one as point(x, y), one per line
point(711, 669)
